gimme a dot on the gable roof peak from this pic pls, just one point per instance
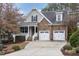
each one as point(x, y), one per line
point(47, 11)
point(34, 9)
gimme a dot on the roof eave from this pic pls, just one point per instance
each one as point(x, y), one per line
point(45, 17)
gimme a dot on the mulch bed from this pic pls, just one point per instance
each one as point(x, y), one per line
point(67, 54)
point(8, 47)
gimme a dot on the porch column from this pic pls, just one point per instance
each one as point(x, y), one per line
point(14, 38)
point(28, 29)
point(34, 29)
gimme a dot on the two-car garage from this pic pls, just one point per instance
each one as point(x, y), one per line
point(51, 32)
point(57, 35)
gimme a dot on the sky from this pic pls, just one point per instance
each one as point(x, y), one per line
point(25, 8)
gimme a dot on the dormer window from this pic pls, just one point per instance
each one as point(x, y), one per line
point(58, 16)
point(34, 18)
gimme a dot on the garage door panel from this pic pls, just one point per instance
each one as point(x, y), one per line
point(59, 35)
point(43, 35)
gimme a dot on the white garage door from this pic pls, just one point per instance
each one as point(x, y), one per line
point(44, 35)
point(59, 35)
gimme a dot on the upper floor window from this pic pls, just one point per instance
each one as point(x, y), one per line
point(59, 17)
point(34, 18)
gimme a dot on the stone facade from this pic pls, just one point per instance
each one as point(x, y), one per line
point(59, 27)
point(44, 25)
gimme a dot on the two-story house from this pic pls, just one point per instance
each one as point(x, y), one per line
point(47, 25)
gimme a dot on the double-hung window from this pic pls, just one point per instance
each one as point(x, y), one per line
point(24, 29)
point(59, 17)
point(34, 18)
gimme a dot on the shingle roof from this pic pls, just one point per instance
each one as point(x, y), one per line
point(52, 16)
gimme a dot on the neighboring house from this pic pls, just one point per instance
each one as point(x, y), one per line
point(44, 25)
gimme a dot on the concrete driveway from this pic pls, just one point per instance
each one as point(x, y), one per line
point(40, 48)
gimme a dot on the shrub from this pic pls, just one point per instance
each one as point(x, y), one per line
point(16, 47)
point(29, 38)
point(1, 47)
point(69, 34)
point(71, 52)
point(67, 47)
point(77, 49)
point(35, 38)
point(74, 39)
point(20, 38)
point(2, 53)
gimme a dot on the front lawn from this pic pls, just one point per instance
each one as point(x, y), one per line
point(12, 47)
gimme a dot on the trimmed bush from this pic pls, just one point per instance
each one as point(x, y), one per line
point(71, 52)
point(36, 38)
point(2, 53)
point(1, 47)
point(67, 47)
point(9, 41)
point(77, 49)
point(16, 48)
point(74, 39)
point(20, 38)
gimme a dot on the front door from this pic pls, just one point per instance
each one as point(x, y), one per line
point(32, 31)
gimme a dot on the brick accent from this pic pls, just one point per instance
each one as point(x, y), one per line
point(59, 27)
point(44, 25)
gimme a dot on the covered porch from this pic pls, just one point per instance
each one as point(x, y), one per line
point(29, 28)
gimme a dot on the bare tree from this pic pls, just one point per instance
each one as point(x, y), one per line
point(9, 18)
point(11, 15)
point(71, 22)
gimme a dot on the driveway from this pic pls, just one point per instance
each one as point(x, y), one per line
point(40, 48)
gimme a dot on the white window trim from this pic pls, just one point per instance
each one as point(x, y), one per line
point(61, 16)
point(24, 31)
point(34, 16)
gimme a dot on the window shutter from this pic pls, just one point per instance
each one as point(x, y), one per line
point(36, 17)
point(32, 18)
